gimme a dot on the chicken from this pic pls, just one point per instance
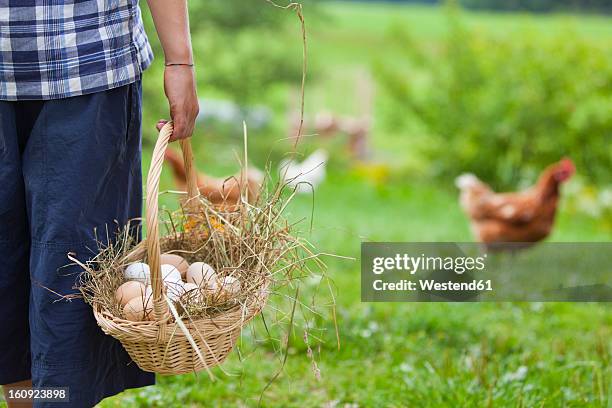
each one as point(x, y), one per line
point(308, 174)
point(327, 125)
point(216, 190)
point(523, 217)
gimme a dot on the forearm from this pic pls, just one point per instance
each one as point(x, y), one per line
point(171, 20)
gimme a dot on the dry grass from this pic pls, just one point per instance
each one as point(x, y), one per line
point(252, 242)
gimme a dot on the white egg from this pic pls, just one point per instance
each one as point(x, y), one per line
point(174, 290)
point(148, 292)
point(138, 271)
point(190, 286)
point(170, 274)
point(202, 275)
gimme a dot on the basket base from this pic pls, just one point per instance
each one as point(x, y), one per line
point(169, 351)
point(178, 357)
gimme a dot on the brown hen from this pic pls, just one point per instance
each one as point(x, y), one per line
point(524, 217)
point(216, 190)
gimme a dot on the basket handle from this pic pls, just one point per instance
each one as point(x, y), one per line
point(160, 308)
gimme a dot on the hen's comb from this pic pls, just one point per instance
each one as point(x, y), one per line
point(568, 165)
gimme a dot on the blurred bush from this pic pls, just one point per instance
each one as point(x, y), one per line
point(504, 107)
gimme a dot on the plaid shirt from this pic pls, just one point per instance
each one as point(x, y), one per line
point(51, 49)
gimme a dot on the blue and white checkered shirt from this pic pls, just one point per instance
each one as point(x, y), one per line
point(51, 49)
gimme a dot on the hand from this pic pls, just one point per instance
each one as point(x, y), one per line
point(179, 84)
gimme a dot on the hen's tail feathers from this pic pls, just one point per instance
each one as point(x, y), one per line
point(467, 181)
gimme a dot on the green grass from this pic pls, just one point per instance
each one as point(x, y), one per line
point(399, 355)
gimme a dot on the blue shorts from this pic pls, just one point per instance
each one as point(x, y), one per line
point(67, 167)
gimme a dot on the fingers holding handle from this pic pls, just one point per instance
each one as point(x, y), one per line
point(180, 88)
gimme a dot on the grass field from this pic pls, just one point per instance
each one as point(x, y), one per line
point(400, 355)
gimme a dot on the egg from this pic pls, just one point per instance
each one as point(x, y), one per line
point(138, 309)
point(128, 291)
point(177, 261)
point(138, 271)
point(190, 286)
point(202, 275)
point(174, 290)
point(231, 284)
point(193, 292)
point(170, 274)
point(230, 287)
point(149, 292)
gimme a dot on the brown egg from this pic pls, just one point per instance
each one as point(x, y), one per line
point(138, 309)
point(202, 275)
point(177, 261)
point(128, 291)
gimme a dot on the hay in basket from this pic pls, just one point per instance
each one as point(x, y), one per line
point(248, 245)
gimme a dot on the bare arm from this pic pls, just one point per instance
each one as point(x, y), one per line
point(172, 24)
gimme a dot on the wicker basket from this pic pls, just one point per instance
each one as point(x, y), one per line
point(164, 345)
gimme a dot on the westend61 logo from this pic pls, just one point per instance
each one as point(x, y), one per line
point(434, 272)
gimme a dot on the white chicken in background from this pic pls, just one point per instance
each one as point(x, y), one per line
point(228, 112)
point(307, 175)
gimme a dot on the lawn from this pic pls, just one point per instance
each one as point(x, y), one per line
point(399, 355)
